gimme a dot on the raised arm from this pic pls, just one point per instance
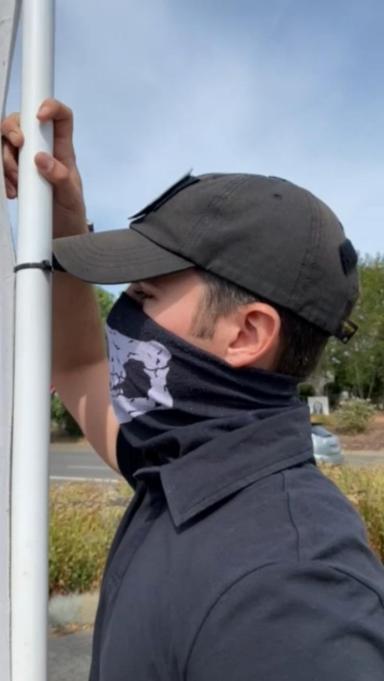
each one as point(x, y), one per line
point(79, 362)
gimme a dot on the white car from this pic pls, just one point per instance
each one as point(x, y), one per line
point(326, 446)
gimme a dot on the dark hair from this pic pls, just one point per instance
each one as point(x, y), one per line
point(302, 343)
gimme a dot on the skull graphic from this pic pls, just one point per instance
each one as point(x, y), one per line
point(155, 359)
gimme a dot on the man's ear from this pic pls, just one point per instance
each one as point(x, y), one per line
point(255, 337)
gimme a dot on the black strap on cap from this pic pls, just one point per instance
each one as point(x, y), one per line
point(43, 265)
point(57, 267)
point(184, 182)
point(346, 331)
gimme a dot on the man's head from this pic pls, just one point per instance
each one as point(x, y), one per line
point(229, 322)
point(267, 264)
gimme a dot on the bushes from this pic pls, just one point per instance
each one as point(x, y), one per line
point(61, 419)
point(353, 416)
point(83, 520)
point(365, 489)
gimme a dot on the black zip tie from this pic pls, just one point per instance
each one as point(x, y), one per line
point(43, 265)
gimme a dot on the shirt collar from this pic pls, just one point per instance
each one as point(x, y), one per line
point(227, 464)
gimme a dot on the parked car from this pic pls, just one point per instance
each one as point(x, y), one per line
point(326, 446)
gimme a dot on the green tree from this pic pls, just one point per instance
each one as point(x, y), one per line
point(359, 365)
point(105, 300)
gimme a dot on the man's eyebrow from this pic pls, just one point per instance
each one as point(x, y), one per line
point(151, 283)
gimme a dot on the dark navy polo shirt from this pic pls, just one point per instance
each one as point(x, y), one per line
point(237, 566)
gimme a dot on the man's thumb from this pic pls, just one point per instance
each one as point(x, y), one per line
point(44, 162)
point(53, 171)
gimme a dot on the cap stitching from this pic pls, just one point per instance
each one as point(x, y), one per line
point(217, 201)
point(307, 252)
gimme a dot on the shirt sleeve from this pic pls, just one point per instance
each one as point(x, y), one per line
point(291, 623)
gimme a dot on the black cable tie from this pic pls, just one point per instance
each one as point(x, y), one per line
point(43, 265)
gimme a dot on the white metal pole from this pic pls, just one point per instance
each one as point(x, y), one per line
point(8, 25)
point(29, 516)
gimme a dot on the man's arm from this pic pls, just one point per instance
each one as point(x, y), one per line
point(299, 622)
point(80, 364)
point(79, 367)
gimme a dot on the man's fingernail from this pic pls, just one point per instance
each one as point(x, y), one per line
point(43, 110)
point(46, 162)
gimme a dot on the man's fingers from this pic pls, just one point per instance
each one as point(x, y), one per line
point(9, 160)
point(10, 190)
point(62, 116)
point(59, 169)
point(11, 174)
point(10, 130)
point(51, 169)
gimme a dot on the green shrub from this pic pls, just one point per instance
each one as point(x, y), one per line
point(365, 489)
point(83, 520)
point(353, 416)
point(305, 390)
point(62, 419)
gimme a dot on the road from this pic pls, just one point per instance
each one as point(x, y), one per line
point(77, 463)
point(80, 462)
point(359, 459)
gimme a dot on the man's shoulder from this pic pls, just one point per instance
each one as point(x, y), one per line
point(296, 515)
point(288, 561)
point(296, 620)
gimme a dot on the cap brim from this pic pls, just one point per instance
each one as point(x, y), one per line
point(115, 257)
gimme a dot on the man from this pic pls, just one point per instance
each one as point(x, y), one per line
point(237, 559)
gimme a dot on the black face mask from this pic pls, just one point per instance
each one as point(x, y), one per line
point(171, 397)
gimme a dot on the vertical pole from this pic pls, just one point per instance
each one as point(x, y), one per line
point(8, 25)
point(31, 422)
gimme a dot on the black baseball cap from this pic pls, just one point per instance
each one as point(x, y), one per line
point(265, 234)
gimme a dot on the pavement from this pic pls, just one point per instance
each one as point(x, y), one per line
point(76, 461)
point(69, 656)
point(362, 458)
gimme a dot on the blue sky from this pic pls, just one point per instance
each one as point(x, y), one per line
point(284, 87)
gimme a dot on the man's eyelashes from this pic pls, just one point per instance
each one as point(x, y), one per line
point(139, 292)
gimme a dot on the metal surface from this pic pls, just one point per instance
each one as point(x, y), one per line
point(8, 24)
point(326, 446)
point(29, 526)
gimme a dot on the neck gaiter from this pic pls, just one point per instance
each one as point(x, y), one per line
point(171, 397)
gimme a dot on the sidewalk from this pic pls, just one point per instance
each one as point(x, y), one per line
point(69, 656)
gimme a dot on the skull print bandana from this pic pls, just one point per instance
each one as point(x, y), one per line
point(171, 397)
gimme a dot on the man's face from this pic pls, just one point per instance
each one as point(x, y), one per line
point(247, 336)
point(176, 302)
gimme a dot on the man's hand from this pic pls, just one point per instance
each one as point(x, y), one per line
point(60, 170)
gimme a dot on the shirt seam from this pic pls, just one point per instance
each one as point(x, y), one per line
point(259, 568)
point(291, 517)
